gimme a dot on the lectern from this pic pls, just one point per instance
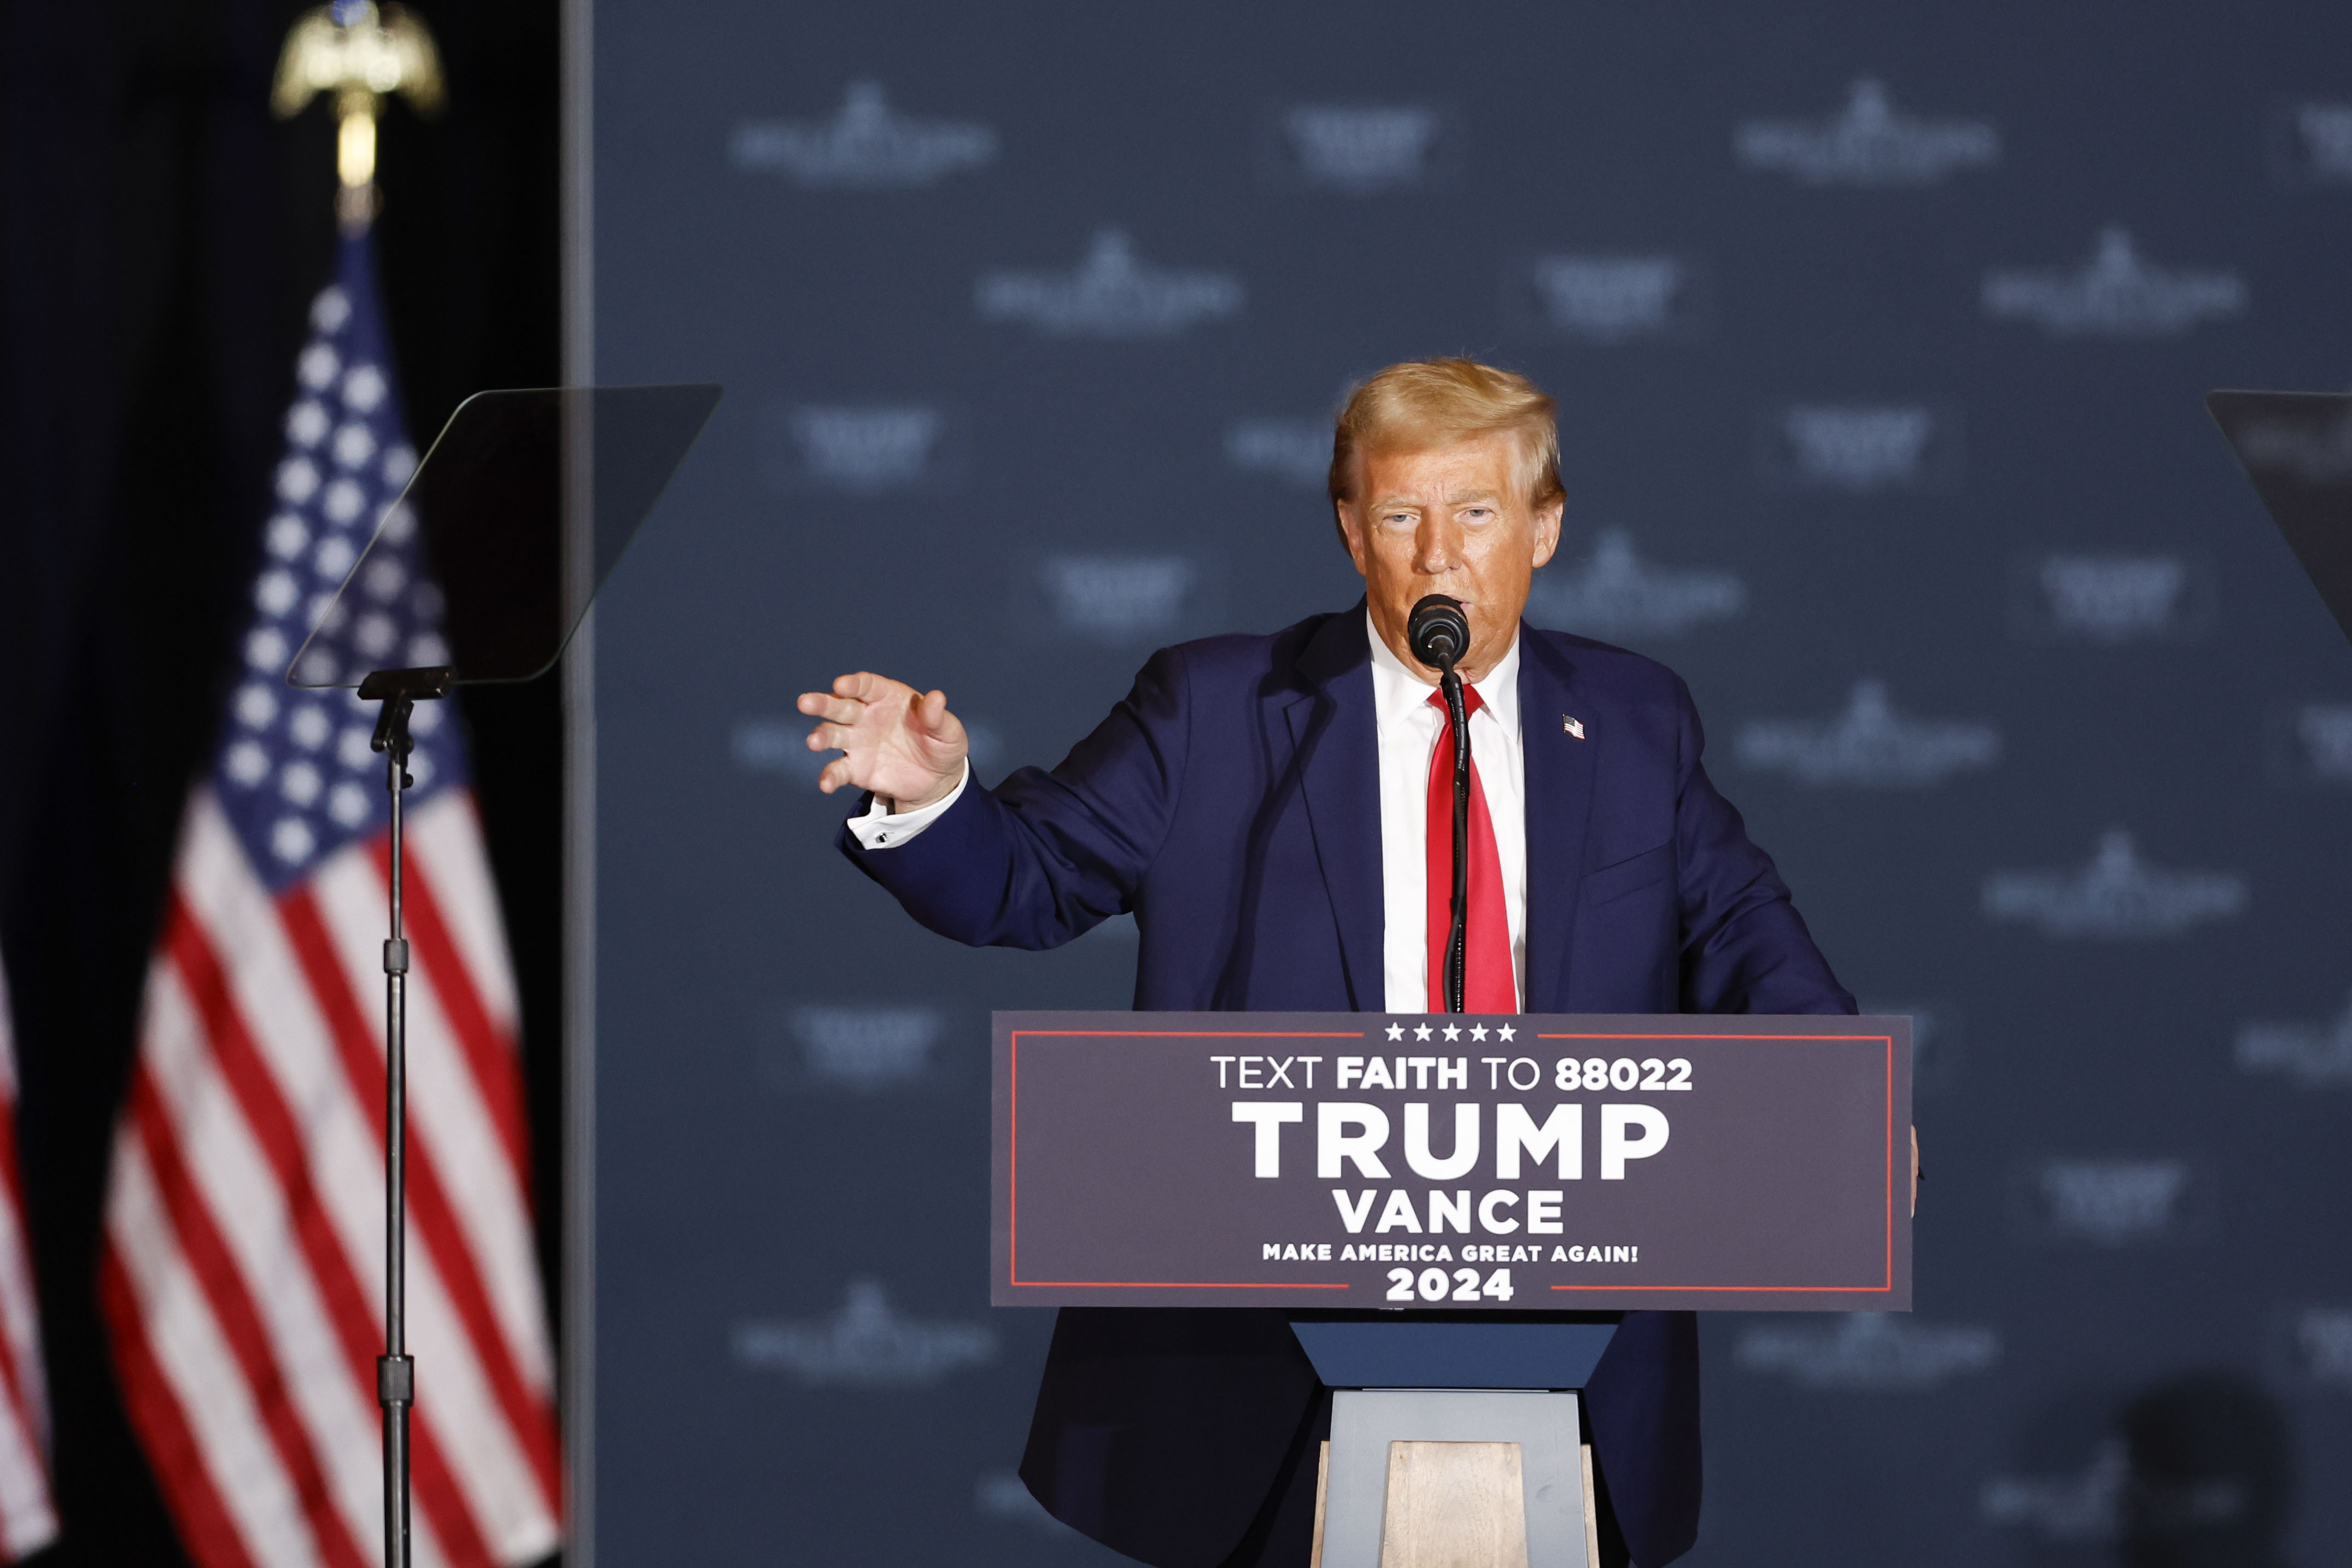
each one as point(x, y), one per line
point(1453, 1210)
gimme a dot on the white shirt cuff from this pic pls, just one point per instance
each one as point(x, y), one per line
point(878, 829)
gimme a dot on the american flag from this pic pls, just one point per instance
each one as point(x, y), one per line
point(242, 1276)
point(28, 1519)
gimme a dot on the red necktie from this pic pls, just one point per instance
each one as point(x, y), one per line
point(1486, 982)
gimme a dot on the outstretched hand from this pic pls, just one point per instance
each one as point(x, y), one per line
point(902, 744)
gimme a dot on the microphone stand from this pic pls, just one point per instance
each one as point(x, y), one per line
point(1450, 682)
point(1439, 633)
point(395, 1371)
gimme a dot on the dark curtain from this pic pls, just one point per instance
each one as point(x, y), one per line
point(159, 240)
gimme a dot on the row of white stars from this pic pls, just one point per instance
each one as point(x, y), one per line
point(1505, 1032)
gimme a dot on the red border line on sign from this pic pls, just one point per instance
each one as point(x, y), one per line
point(1178, 1285)
point(1886, 1040)
point(1725, 1290)
point(1246, 1035)
point(1013, 1166)
point(1621, 1034)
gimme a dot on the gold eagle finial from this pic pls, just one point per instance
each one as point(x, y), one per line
point(361, 56)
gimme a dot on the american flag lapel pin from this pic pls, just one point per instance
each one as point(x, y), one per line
point(1572, 725)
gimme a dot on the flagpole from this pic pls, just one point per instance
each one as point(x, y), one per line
point(347, 49)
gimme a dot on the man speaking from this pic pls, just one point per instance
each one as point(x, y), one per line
point(1277, 813)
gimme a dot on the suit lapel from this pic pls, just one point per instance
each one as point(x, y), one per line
point(1337, 747)
point(1559, 771)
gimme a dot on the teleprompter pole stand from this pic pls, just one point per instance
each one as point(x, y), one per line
point(395, 1372)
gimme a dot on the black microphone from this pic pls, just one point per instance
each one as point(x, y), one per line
point(1440, 634)
point(1438, 631)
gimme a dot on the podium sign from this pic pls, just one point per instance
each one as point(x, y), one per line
point(1427, 1162)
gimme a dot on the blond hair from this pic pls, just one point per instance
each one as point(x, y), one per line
point(1427, 403)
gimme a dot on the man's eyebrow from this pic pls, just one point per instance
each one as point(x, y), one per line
point(1408, 503)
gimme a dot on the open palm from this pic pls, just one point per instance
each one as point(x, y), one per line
point(902, 744)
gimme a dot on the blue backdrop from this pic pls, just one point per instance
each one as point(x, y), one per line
point(1878, 335)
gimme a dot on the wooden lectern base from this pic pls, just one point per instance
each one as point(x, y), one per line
point(1454, 1445)
point(1456, 1505)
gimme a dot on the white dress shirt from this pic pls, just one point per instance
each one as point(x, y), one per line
point(1408, 729)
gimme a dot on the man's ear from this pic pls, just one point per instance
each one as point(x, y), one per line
point(1547, 540)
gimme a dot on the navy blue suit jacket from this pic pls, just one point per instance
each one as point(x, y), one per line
point(1232, 802)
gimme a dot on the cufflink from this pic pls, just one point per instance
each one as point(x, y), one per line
point(1572, 725)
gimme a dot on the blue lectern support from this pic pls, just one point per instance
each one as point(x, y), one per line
point(1415, 1380)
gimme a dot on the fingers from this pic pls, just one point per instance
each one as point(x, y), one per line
point(864, 686)
point(834, 776)
point(851, 695)
point(858, 688)
point(835, 710)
